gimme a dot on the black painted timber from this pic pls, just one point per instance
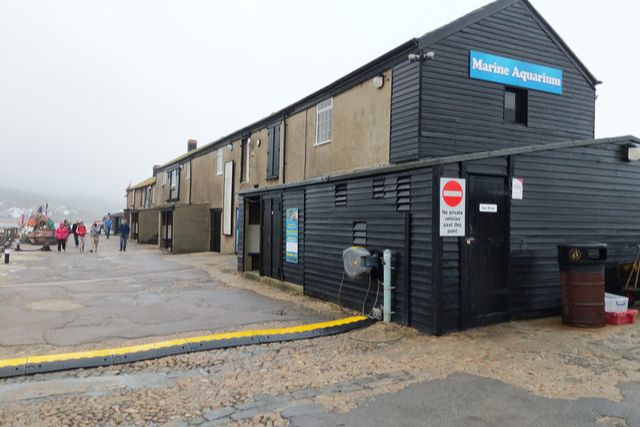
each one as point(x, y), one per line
point(463, 115)
point(580, 194)
point(404, 144)
point(328, 230)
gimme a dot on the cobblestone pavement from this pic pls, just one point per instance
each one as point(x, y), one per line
point(546, 374)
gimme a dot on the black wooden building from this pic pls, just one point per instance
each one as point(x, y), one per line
point(447, 123)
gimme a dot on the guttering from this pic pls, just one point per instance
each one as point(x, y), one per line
point(418, 164)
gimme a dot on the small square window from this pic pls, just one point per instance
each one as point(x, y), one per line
point(515, 106)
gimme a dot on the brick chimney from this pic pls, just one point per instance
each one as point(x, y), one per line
point(192, 144)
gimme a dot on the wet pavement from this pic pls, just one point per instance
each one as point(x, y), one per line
point(527, 373)
point(54, 300)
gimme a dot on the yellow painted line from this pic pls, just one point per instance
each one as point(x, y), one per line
point(279, 331)
point(7, 363)
point(68, 356)
point(176, 342)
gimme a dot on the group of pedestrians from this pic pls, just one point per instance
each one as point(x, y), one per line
point(79, 231)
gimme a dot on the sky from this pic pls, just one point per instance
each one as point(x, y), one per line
point(94, 93)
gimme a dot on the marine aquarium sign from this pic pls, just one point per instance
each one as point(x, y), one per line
point(483, 66)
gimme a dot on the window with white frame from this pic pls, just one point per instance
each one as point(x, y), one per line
point(174, 183)
point(246, 160)
point(324, 121)
point(219, 162)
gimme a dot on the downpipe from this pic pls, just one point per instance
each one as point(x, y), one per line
point(386, 304)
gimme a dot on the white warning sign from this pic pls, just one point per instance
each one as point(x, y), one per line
point(517, 188)
point(452, 207)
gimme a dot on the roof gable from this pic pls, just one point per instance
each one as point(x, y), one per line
point(492, 8)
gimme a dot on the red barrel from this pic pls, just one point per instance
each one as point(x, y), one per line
point(582, 283)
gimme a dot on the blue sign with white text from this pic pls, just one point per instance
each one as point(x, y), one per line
point(484, 66)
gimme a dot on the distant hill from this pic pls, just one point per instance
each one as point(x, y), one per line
point(14, 203)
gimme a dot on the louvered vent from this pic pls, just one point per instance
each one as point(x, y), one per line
point(378, 188)
point(360, 233)
point(341, 195)
point(403, 193)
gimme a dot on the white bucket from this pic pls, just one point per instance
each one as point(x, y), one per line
point(615, 303)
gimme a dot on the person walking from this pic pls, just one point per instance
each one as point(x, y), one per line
point(124, 235)
point(82, 231)
point(74, 231)
point(61, 236)
point(95, 237)
point(107, 226)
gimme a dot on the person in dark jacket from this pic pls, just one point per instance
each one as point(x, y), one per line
point(124, 235)
point(74, 231)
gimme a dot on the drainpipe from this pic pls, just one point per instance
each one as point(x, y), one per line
point(386, 305)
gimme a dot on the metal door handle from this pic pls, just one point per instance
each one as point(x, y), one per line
point(469, 240)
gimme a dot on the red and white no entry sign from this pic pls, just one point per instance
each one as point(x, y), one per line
point(452, 207)
point(452, 193)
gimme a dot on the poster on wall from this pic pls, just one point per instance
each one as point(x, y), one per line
point(452, 207)
point(517, 188)
point(291, 224)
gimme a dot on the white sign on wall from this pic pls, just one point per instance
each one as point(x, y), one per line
point(517, 188)
point(488, 208)
point(452, 207)
point(228, 199)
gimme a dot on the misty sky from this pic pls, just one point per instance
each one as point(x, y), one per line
point(93, 93)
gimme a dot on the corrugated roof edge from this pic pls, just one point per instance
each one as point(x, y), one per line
point(368, 70)
point(446, 160)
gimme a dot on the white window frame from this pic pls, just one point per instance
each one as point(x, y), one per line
point(219, 162)
point(322, 109)
point(247, 160)
point(174, 183)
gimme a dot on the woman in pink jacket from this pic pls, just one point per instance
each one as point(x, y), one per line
point(62, 233)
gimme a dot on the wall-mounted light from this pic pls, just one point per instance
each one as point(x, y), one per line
point(633, 152)
point(413, 57)
point(258, 142)
point(378, 81)
point(230, 146)
point(429, 55)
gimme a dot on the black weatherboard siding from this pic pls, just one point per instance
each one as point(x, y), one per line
point(580, 194)
point(329, 229)
point(462, 115)
point(405, 112)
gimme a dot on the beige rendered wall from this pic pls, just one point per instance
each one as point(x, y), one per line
point(202, 172)
point(129, 199)
point(184, 184)
point(148, 226)
point(190, 229)
point(360, 134)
